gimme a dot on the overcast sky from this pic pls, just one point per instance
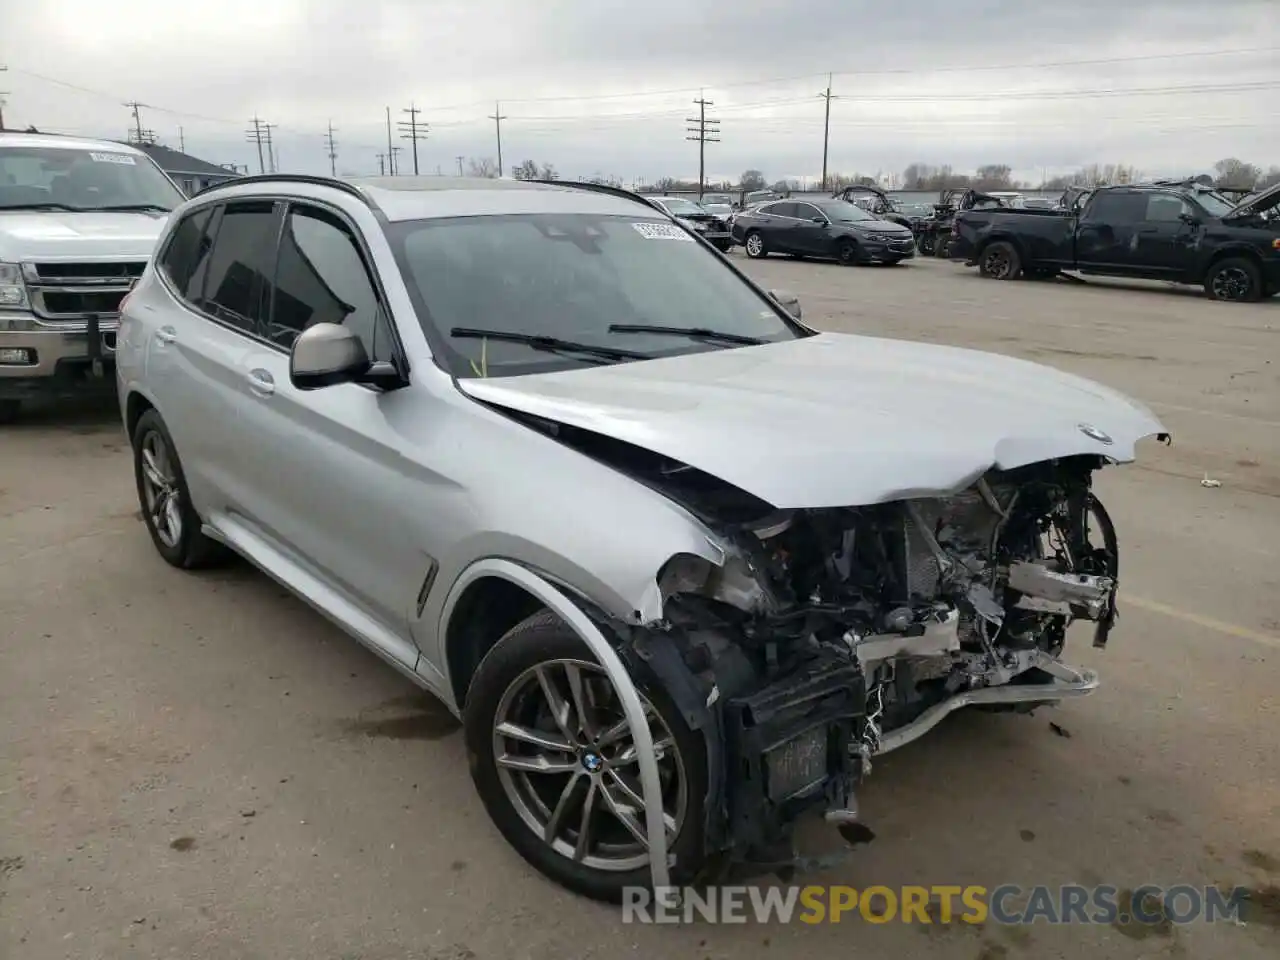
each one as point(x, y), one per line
point(602, 86)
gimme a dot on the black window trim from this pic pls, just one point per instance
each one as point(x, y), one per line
point(282, 205)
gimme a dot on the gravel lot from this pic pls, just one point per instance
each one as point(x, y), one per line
point(199, 766)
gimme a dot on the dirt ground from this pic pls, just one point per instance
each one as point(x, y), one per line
point(199, 766)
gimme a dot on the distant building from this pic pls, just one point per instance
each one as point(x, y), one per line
point(189, 173)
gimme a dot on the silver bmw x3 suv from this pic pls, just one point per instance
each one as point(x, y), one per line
point(683, 565)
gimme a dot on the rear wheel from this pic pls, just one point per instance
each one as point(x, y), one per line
point(1234, 279)
point(171, 520)
point(999, 261)
point(554, 762)
point(755, 245)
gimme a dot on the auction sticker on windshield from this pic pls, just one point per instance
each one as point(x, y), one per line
point(661, 231)
point(112, 158)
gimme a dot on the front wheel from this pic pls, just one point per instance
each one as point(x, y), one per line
point(999, 261)
point(847, 252)
point(755, 245)
point(554, 762)
point(1234, 279)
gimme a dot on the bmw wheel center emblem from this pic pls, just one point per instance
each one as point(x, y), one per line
point(592, 762)
point(1093, 433)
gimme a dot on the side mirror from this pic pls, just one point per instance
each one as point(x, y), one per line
point(327, 354)
point(788, 301)
point(1189, 219)
point(821, 220)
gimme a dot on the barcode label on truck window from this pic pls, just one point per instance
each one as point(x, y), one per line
point(112, 158)
point(661, 231)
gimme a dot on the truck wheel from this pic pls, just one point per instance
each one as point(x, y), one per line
point(754, 245)
point(551, 758)
point(1234, 279)
point(999, 261)
point(925, 245)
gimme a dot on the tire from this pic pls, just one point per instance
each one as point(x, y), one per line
point(999, 261)
point(754, 245)
point(521, 802)
point(166, 507)
point(847, 252)
point(10, 410)
point(723, 246)
point(1234, 280)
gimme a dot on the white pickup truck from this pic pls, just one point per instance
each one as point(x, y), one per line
point(78, 221)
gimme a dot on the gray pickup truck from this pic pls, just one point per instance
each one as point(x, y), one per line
point(78, 221)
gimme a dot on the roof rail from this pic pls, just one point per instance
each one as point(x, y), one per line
point(315, 181)
point(613, 191)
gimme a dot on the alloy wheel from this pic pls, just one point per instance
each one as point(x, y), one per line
point(755, 245)
point(567, 761)
point(160, 489)
point(1233, 283)
point(996, 263)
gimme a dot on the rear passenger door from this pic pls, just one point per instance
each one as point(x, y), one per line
point(780, 231)
point(337, 499)
point(203, 394)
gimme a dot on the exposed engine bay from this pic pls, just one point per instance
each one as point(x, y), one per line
point(831, 636)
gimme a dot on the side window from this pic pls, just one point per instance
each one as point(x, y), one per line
point(241, 265)
point(1165, 208)
point(784, 210)
point(321, 278)
point(807, 211)
point(1118, 208)
point(188, 251)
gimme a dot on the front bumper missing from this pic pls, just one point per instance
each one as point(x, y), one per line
point(1067, 682)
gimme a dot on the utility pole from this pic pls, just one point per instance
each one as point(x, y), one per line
point(460, 159)
point(828, 96)
point(182, 141)
point(137, 119)
point(382, 164)
point(255, 136)
point(497, 119)
point(333, 150)
point(395, 160)
point(705, 132)
point(391, 154)
point(412, 130)
point(272, 159)
point(3, 94)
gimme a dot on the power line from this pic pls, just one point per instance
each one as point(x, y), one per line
point(497, 119)
point(333, 150)
point(412, 130)
point(705, 132)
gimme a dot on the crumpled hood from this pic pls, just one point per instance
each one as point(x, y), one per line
point(834, 419)
point(33, 234)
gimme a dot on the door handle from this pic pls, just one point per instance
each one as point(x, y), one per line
point(261, 383)
point(166, 335)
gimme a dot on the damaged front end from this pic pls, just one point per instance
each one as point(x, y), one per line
point(824, 638)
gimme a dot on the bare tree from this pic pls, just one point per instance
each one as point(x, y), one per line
point(526, 171)
point(548, 172)
point(482, 167)
point(1237, 173)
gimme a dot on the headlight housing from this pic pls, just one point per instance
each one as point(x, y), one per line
point(13, 290)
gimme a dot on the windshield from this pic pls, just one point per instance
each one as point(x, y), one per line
point(571, 276)
point(1214, 204)
point(32, 177)
point(842, 211)
point(678, 205)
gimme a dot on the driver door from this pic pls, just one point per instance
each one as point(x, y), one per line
point(340, 502)
point(810, 236)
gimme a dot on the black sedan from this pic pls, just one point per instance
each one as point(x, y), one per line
point(697, 219)
point(822, 227)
